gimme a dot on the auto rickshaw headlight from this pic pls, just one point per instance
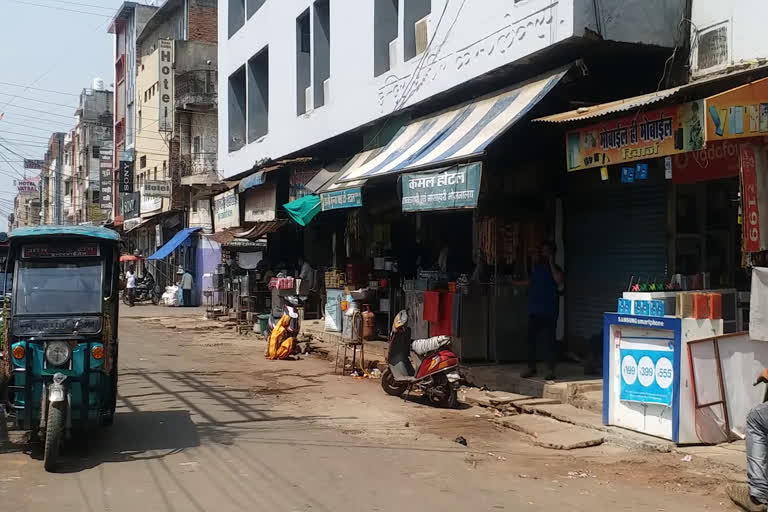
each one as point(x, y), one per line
point(57, 353)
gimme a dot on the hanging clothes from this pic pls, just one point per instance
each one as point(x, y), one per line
point(432, 306)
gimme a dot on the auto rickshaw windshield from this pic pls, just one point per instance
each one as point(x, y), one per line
point(51, 287)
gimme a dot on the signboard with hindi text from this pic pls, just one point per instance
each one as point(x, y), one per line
point(338, 199)
point(661, 132)
point(443, 189)
point(226, 210)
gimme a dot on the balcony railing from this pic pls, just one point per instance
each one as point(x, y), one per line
point(196, 90)
point(198, 164)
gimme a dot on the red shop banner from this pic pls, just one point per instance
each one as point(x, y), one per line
point(718, 160)
point(751, 211)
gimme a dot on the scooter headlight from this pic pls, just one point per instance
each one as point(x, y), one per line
point(57, 353)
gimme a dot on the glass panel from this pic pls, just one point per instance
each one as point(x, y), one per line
point(47, 287)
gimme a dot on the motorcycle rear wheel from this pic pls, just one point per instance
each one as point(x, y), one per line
point(448, 398)
point(390, 385)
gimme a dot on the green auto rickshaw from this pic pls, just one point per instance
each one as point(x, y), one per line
point(61, 349)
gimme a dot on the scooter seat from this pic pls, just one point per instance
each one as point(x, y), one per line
point(427, 345)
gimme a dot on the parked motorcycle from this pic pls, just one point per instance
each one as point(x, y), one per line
point(288, 305)
point(144, 292)
point(437, 377)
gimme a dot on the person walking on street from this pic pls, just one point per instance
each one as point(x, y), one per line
point(130, 285)
point(546, 285)
point(187, 283)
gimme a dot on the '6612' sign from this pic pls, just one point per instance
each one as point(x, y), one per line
point(751, 210)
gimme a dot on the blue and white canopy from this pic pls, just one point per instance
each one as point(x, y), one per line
point(456, 134)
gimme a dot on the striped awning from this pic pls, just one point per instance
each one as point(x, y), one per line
point(456, 134)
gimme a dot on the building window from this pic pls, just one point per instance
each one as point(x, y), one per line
point(143, 162)
point(139, 120)
point(415, 29)
point(236, 15)
point(95, 198)
point(237, 109)
point(67, 188)
point(253, 6)
point(96, 151)
point(322, 55)
point(303, 64)
point(258, 95)
point(196, 145)
point(165, 170)
point(154, 176)
point(385, 16)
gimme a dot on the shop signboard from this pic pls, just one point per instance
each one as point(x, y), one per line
point(165, 83)
point(738, 113)
point(129, 205)
point(719, 159)
point(106, 181)
point(661, 132)
point(647, 376)
point(260, 204)
point(33, 164)
point(156, 189)
point(226, 210)
point(150, 204)
point(125, 177)
point(443, 189)
point(338, 199)
point(749, 192)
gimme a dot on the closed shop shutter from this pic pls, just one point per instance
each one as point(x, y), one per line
point(613, 232)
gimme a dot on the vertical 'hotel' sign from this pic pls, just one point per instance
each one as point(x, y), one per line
point(165, 53)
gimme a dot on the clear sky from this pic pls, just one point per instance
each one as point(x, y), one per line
point(46, 46)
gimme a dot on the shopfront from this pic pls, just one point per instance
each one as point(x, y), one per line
point(661, 219)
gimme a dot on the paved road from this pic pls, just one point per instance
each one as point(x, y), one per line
point(191, 436)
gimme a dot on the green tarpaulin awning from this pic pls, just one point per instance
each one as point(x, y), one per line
point(304, 209)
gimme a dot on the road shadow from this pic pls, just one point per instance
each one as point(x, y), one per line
point(135, 435)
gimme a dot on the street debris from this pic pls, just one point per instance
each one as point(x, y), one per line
point(687, 458)
point(580, 474)
point(460, 440)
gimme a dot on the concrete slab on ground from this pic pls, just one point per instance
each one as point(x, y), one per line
point(508, 377)
point(553, 434)
point(483, 398)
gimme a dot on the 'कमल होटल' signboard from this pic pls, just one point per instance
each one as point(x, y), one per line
point(444, 189)
point(661, 132)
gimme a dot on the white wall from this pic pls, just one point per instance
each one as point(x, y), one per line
point(744, 23)
point(470, 42)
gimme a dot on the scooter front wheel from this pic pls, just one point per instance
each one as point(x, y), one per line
point(54, 430)
point(390, 385)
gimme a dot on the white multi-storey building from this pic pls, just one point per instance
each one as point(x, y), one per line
point(295, 73)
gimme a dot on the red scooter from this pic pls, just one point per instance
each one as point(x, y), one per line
point(438, 376)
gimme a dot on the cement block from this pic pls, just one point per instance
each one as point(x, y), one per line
point(571, 439)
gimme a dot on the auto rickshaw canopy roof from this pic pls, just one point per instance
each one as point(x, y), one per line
point(64, 231)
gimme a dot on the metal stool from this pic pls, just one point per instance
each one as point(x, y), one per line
point(347, 345)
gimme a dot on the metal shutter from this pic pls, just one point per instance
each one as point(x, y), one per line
point(612, 233)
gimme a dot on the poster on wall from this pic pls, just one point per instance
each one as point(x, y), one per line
point(260, 204)
point(738, 113)
point(661, 132)
point(106, 181)
point(647, 376)
point(443, 189)
point(226, 210)
point(150, 204)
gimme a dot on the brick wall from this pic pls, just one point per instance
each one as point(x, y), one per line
point(202, 23)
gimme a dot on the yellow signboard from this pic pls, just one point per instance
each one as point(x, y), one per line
point(738, 113)
point(661, 132)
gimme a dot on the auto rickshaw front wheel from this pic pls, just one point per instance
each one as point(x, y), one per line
point(54, 430)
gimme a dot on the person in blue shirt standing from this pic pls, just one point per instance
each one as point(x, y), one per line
point(546, 285)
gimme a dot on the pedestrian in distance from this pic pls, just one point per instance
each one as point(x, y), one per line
point(187, 283)
point(546, 285)
point(130, 284)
